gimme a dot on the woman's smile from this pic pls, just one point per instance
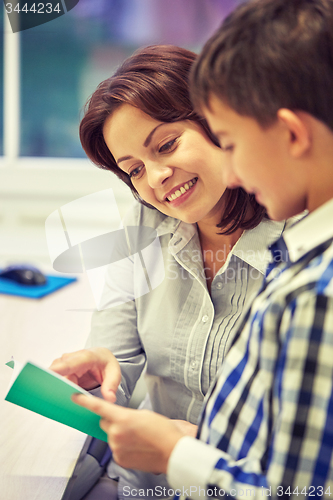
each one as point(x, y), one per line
point(181, 193)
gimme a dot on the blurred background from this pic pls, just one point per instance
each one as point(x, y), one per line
point(46, 75)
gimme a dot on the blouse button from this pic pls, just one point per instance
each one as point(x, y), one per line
point(205, 318)
point(219, 285)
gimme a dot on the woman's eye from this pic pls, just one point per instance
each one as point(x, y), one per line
point(136, 173)
point(168, 146)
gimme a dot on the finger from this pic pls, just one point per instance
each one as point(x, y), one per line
point(72, 378)
point(56, 365)
point(97, 405)
point(68, 363)
point(77, 364)
point(104, 425)
point(111, 380)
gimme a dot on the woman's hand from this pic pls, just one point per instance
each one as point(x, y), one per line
point(90, 368)
point(139, 439)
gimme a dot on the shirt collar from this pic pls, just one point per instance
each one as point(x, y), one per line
point(181, 233)
point(168, 225)
point(252, 246)
point(310, 232)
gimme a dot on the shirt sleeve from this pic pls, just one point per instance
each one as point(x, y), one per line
point(115, 326)
point(298, 455)
point(198, 470)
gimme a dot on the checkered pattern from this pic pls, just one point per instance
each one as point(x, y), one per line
point(273, 403)
point(269, 416)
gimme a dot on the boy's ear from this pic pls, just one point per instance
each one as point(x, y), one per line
point(298, 131)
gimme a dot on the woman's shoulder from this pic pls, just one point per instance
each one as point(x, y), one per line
point(140, 215)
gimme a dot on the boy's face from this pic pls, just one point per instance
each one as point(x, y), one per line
point(258, 160)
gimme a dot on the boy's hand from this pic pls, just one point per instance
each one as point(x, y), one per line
point(139, 439)
point(90, 368)
point(186, 427)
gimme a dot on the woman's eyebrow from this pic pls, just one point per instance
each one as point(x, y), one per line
point(123, 158)
point(146, 143)
point(150, 136)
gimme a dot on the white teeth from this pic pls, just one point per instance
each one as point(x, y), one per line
point(182, 190)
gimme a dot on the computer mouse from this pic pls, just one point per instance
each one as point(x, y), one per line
point(24, 275)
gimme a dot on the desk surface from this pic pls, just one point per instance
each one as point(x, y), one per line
point(37, 455)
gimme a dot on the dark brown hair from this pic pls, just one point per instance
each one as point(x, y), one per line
point(267, 55)
point(155, 80)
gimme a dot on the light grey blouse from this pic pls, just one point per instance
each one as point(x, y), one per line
point(174, 327)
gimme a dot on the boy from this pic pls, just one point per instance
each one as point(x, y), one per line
point(264, 82)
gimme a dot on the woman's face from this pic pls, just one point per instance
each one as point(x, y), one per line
point(173, 166)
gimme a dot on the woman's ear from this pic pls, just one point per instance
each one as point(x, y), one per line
point(298, 129)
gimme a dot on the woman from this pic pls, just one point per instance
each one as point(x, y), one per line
point(140, 124)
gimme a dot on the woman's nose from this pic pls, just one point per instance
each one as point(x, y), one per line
point(157, 174)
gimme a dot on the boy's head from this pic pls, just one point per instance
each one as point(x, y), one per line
point(271, 65)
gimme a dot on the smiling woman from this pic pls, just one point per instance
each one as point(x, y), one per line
point(141, 125)
point(173, 166)
point(155, 81)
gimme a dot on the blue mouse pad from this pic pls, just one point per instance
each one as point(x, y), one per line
point(9, 287)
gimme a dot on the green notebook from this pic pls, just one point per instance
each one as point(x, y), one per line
point(49, 394)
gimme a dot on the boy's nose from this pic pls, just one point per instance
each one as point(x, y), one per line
point(230, 179)
point(157, 174)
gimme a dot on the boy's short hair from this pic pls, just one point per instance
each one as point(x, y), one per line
point(267, 55)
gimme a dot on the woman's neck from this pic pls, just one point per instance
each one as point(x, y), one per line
point(215, 247)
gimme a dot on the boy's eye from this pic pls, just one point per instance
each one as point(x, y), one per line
point(137, 172)
point(227, 148)
point(168, 146)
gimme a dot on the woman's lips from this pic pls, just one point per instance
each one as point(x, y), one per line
point(181, 190)
point(184, 196)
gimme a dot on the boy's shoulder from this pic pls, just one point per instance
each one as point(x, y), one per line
point(310, 232)
point(309, 272)
point(295, 219)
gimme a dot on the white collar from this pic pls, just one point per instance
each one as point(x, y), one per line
point(252, 246)
point(310, 232)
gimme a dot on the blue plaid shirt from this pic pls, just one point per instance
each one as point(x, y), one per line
point(268, 419)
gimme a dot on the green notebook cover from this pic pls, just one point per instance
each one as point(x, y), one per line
point(47, 393)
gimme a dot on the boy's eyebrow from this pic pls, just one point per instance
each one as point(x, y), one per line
point(220, 133)
point(146, 143)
